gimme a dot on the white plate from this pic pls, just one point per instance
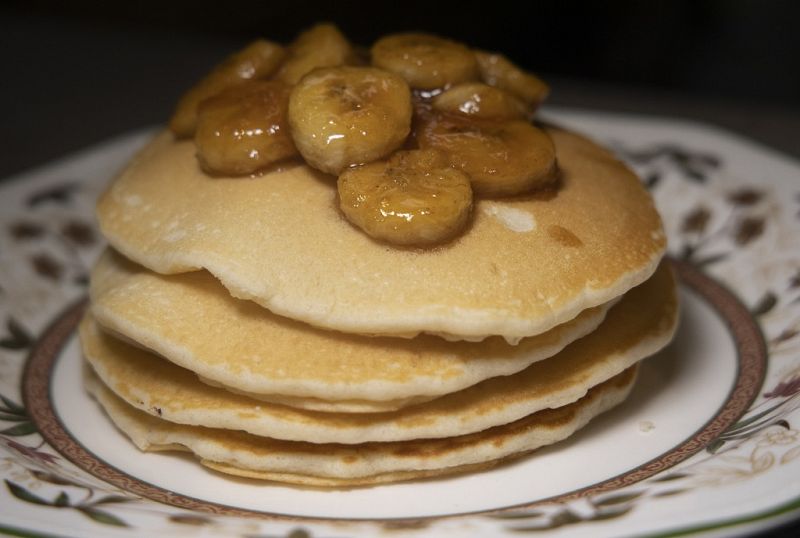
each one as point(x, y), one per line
point(707, 442)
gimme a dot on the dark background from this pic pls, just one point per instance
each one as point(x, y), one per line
point(76, 73)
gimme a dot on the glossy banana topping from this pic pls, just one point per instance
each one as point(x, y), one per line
point(501, 158)
point(478, 100)
point(343, 116)
point(258, 60)
point(414, 198)
point(497, 70)
point(244, 129)
point(427, 62)
point(321, 46)
point(414, 126)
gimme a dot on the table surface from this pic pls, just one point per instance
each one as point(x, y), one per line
point(73, 86)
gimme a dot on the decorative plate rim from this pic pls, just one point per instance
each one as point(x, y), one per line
point(751, 363)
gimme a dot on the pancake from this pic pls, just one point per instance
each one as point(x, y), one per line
point(638, 326)
point(524, 266)
point(191, 320)
point(243, 454)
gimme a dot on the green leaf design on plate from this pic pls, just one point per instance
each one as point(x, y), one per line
point(12, 418)
point(617, 499)
point(742, 424)
point(101, 516)
point(11, 407)
point(62, 500)
point(111, 499)
point(671, 476)
point(26, 428)
point(671, 492)
point(18, 338)
point(24, 495)
point(52, 478)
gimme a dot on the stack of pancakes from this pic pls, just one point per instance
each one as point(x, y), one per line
point(244, 320)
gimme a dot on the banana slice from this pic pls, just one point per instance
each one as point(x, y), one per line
point(501, 158)
point(258, 60)
point(413, 198)
point(341, 116)
point(497, 70)
point(244, 129)
point(322, 45)
point(426, 61)
point(481, 101)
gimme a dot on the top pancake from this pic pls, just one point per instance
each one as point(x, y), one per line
point(524, 265)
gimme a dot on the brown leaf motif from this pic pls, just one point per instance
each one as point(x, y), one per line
point(31, 452)
point(765, 304)
point(651, 180)
point(25, 230)
point(670, 477)
point(749, 229)
point(745, 197)
point(190, 519)
point(785, 388)
point(79, 233)
point(705, 261)
point(47, 266)
point(696, 221)
point(785, 335)
point(60, 194)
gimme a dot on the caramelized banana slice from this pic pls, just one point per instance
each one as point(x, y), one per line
point(244, 129)
point(426, 61)
point(342, 116)
point(322, 45)
point(501, 158)
point(497, 70)
point(414, 198)
point(480, 101)
point(258, 60)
